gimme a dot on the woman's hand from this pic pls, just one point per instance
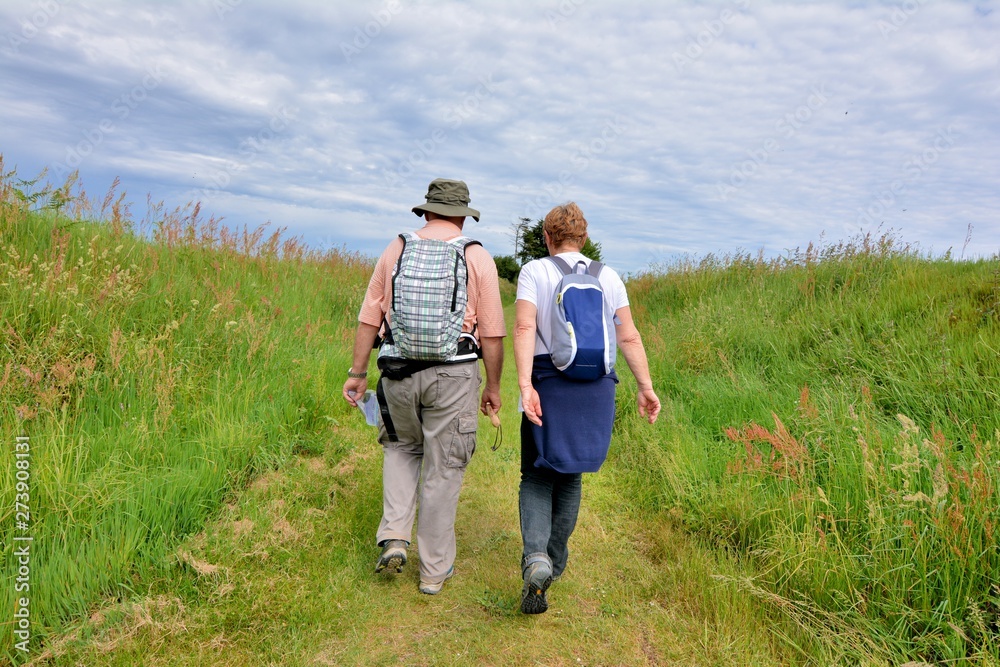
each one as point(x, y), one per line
point(649, 404)
point(531, 404)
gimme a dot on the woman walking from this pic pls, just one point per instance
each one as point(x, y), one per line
point(566, 425)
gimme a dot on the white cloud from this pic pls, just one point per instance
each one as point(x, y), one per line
point(678, 128)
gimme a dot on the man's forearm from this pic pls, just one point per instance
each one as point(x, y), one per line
point(364, 341)
point(493, 360)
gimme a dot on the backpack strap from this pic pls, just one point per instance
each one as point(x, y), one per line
point(399, 262)
point(464, 241)
point(386, 337)
point(594, 269)
point(383, 406)
point(467, 241)
point(561, 263)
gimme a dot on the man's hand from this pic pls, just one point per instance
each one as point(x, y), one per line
point(493, 364)
point(364, 339)
point(354, 390)
point(490, 400)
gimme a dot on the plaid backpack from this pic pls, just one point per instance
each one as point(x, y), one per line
point(429, 296)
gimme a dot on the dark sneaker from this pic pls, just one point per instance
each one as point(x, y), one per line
point(537, 578)
point(434, 589)
point(393, 556)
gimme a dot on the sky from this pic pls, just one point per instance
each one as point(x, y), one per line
point(680, 129)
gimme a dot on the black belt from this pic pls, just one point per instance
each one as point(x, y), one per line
point(400, 369)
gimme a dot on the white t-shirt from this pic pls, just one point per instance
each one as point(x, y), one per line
point(537, 284)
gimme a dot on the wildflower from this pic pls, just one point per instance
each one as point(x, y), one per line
point(24, 413)
point(940, 486)
point(908, 425)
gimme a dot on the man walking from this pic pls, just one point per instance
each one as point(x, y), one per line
point(434, 296)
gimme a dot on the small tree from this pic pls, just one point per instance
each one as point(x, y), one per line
point(591, 250)
point(517, 230)
point(507, 267)
point(532, 245)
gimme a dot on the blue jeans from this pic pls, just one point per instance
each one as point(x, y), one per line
point(549, 503)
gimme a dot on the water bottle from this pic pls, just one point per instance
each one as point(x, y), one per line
point(368, 404)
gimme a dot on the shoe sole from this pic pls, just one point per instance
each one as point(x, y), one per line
point(394, 562)
point(533, 600)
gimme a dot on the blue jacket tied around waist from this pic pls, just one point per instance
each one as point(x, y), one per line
point(577, 418)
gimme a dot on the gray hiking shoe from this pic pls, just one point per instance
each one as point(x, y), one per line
point(434, 589)
point(537, 579)
point(393, 556)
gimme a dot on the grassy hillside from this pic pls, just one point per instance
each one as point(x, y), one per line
point(821, 488)
point(150, 379)
point(835, 423)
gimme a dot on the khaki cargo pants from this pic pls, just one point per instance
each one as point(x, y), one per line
point(435, 415)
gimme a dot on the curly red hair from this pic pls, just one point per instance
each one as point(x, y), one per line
point(566, 225)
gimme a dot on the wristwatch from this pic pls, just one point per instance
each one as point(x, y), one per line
point(356, 376)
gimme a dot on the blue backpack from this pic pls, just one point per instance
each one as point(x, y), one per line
point(583, 330)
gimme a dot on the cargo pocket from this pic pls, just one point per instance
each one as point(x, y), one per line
point(451, 390)
point(463, 442)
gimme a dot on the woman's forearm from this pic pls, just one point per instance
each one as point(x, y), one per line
point(630, 343)
point(524, 341)
point(635, 356)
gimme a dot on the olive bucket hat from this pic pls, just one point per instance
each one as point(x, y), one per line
point(449, 198)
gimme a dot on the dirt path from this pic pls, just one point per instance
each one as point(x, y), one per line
point(285, 577)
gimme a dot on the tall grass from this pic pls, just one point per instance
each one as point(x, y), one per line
point(832, 418)
point(154, 366)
